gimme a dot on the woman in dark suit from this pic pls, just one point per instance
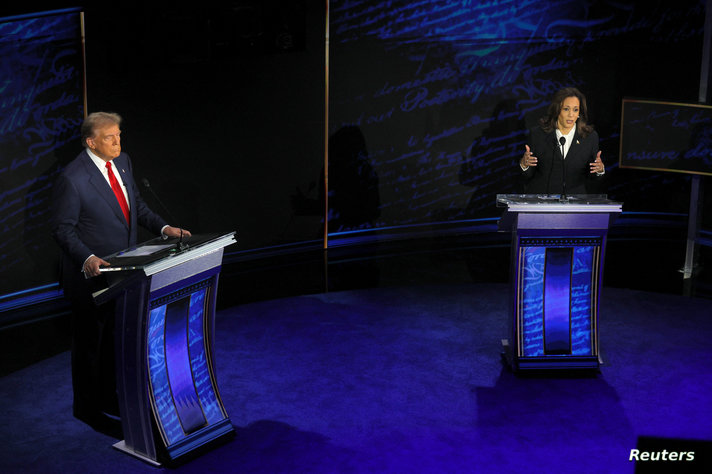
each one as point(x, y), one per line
point(563, 127)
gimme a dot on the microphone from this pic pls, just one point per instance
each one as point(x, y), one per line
point(562, 141)
point(147, 185)
point(551, 168)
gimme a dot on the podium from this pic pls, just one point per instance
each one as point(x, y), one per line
point(165, 294)
point(558, 248)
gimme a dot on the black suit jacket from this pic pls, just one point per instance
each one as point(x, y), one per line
point(87, 218)
point(546, 177)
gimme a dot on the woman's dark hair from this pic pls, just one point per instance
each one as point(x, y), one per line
point(548, 122)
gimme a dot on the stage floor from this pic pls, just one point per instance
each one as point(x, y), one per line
point(408, 379)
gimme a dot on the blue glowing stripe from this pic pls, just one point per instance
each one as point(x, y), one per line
point(412, 231)
point(581, 311)
point(198, 349)
point(453, 223)
point(41, 14)
point(30, 297)
point(180, 374)
point(158, 374)
point(557, 301)
point(532, 304)
point(650, 213)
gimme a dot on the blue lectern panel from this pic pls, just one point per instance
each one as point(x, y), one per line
point(198, 359)
point(182, 383)
point(557, 278)
point(557, 301)
point(158, 375)
point(180, 374)
point(582, 283)
point(532, 322)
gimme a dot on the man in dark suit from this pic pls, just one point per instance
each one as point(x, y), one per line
point(543, 164)
point(95, 212)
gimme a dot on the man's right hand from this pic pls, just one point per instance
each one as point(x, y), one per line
point(92, 264)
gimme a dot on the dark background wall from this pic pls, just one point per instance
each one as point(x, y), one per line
point(41, 108)
point(444, 92)
point(223, 107)
point(429, 102)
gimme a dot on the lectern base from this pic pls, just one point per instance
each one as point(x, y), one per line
point(507, 354)
point(554, 363)
point(121, 446)
point(189, 447)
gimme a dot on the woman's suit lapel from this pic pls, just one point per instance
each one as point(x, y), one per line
point(575, 150)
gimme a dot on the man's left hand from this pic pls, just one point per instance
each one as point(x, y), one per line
point(176, 232)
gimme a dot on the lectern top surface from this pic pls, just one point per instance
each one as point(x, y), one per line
point(155, 251)
point(552, 199)
point(547, 211)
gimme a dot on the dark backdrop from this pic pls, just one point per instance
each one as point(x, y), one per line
point(444, 92)
point(429, 102)
point(223, 108)
point(41, 109)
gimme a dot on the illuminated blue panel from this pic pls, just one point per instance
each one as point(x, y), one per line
point(557, 301)
point(581, 311)
point(41, 108)
point(158, 374)
point(532, 304)
point(198, 349)
point(180, 375)
point(534, 273)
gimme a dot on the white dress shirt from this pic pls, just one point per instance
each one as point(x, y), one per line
point(101, 164)
point(569, 139)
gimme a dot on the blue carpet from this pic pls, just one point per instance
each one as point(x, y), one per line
point(406, 380)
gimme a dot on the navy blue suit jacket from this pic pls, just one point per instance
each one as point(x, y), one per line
point(546, 177)
point(87, 218)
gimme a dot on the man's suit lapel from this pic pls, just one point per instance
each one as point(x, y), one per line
point(103, 190)
point(127, 179)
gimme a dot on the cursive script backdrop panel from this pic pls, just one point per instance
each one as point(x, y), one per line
point(665, 136)
point(41, 109)
point(439, 96)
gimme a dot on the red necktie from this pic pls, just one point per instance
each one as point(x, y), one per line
point(118, 191)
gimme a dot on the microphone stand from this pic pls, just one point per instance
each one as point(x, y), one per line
point(563, 197)
point(548, 177)
point(181, 246)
